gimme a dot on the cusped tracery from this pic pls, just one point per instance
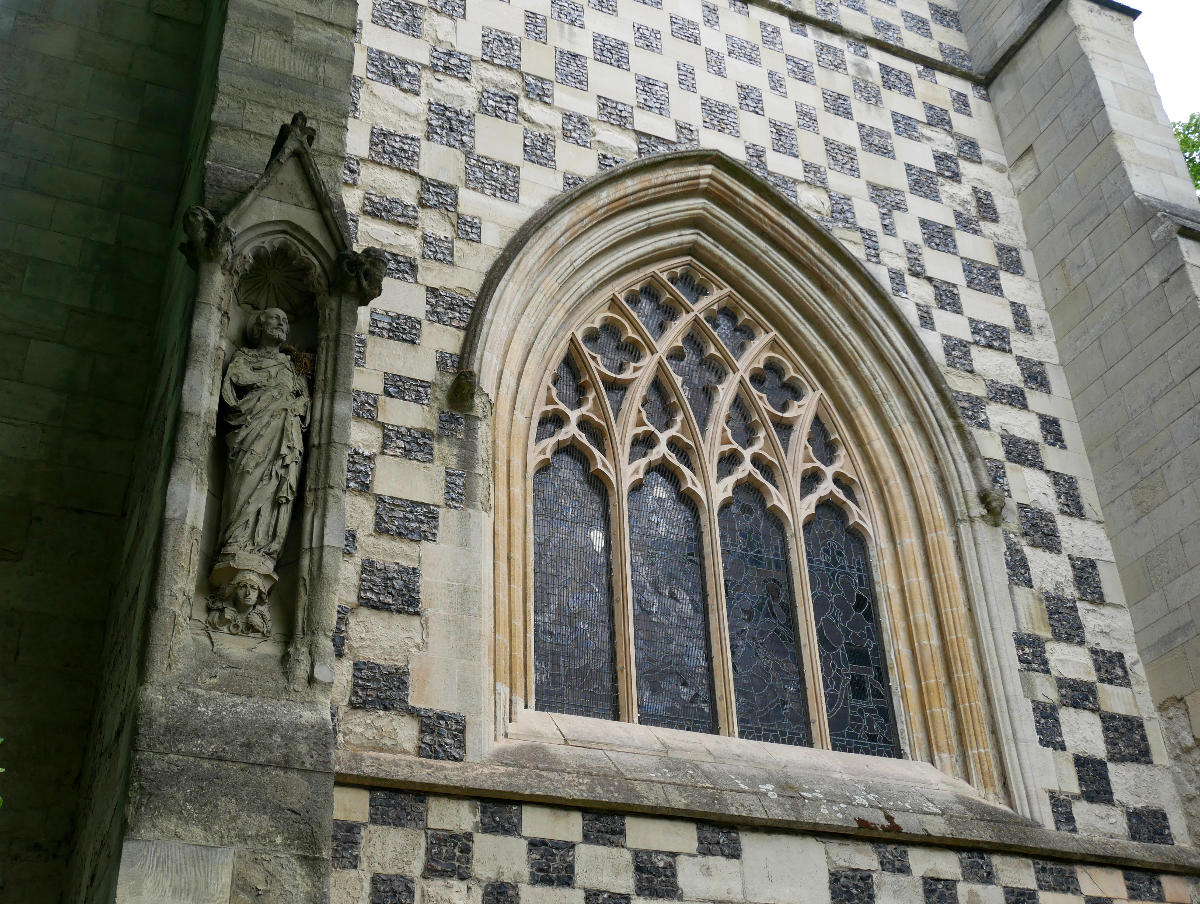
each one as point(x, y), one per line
point(701, 535)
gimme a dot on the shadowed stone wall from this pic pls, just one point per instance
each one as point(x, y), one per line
point(96, 99)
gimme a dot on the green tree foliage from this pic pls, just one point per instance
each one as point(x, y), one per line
point(1188, 134)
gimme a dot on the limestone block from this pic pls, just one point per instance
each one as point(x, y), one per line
point(653, 834)
point(1014, 871)
point(348, 886)
point(167, 872)
point(610, 868)
point(351, 804)
point(389, 732)
point(935, 862)
point(783, 869)
point(451, 891)
point(456, 814)
point(552, 822)
point(392, 849)
point(710, 878)
point(503, 859)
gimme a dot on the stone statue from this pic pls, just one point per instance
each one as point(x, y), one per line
point(267, 409)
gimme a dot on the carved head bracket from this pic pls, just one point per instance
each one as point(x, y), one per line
point(993, 504)
point(360, 273)
point(206, 240)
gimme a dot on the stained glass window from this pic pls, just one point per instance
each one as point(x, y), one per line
point(574, 648)
point(858, 702)
point(670, 607)
point(718, 518)
point(764, 650)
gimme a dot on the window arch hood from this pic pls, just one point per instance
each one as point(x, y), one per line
point(948, 603)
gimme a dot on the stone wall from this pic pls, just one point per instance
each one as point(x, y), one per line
point(468, 116)
point(1111, 217)
point(389, 847)
point(96, 106)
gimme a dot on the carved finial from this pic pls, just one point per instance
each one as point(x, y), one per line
point(360, 273)
point(299, 127)
point(206, 240)
point(993, 503)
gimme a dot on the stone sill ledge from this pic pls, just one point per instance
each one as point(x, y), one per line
point(888, 800)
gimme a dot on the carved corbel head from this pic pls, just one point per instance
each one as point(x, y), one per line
point(993, 504)
point(206, 239)
point(360, 273)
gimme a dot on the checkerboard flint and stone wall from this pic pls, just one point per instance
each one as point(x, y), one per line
point(396, 847)
point(467, 115)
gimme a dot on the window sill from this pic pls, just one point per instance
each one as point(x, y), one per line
point(579, 762)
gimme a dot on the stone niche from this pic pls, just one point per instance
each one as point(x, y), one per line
point(250, 563)
point(257, 467)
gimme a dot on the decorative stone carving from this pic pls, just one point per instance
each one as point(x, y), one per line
point(206, 239)
point(266, 406)
point(277, 275)
point(361, 273)
point(240, 607)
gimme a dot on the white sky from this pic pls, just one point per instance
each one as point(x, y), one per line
point(1167, 32)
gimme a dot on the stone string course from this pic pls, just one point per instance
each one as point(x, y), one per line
point(901, 162)
point(408, 846)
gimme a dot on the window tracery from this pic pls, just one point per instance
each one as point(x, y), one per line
point(696, 567)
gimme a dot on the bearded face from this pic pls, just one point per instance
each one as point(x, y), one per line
point(274, 325)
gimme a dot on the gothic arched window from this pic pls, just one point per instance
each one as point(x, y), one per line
point(701, 534)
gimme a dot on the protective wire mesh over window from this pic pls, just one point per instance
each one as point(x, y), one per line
point(701, 539)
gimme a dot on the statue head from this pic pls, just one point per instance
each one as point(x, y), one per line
point(267, 328)
point(245, 591)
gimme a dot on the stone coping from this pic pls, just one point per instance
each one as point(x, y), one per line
point(769, 785)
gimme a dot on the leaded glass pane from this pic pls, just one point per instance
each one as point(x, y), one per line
point(670, 610)
point(728, 464)
point(568, 384)
point(594, 435)
point(824, 449)
point(681, 455)
point(735, 336)
point(616, 397)
point(775, 387)
point(858, 702)
point(687, 286)
point(768, 677)
point(640, 448)
point(700, 376)
point(574, 641)
point(654, 313)
point(810, 483)
point(847, 490)
point(607, 344)
point(548, 426)
point(740, 427)
point(657, 407)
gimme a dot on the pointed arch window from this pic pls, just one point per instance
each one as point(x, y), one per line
point(702, 535)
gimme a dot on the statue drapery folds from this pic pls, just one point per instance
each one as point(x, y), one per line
point(266, 407)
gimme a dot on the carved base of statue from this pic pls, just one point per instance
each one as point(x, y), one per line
point(240, 606)
point(230, 564)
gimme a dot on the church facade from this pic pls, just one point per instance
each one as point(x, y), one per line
point(598, 452)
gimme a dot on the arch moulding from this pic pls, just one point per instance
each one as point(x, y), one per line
point(948, 613)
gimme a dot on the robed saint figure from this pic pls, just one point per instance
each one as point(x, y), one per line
point(266, 405)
